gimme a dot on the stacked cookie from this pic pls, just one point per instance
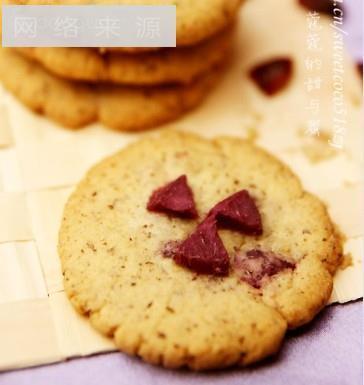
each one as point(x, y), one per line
point(125, 89)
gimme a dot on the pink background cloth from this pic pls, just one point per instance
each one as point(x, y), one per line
point(327, 352)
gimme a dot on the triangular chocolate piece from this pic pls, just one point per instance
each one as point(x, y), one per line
point(174, 199)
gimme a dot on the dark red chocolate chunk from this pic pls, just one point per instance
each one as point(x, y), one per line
point(359, 66)
point(273, 76)
point(322, 6)
point(174, 199)
point(238, 212)
point(203, 251)
point(255, 265)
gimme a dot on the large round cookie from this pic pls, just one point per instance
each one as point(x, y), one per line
point(115, 274)
point(197, 20)
point(74, 104)
point(171, 65)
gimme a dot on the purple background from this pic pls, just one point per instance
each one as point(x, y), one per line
point(326, 352)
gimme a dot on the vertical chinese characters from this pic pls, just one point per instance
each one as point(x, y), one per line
point(313, 66)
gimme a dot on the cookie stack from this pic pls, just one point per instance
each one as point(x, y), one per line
point(125, 89)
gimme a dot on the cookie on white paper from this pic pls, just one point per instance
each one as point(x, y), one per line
point(125, 269)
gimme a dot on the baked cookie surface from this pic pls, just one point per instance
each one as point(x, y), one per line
point(173, 65)
point(75, 104)
point(196, 21)
point(111, 248)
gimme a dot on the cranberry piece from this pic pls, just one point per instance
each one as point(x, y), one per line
point(322, 6)
point(174, 199)
point(203, 251)
point(255, 265)
point(273, 76)
point(238, 212)
point(359, 66)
